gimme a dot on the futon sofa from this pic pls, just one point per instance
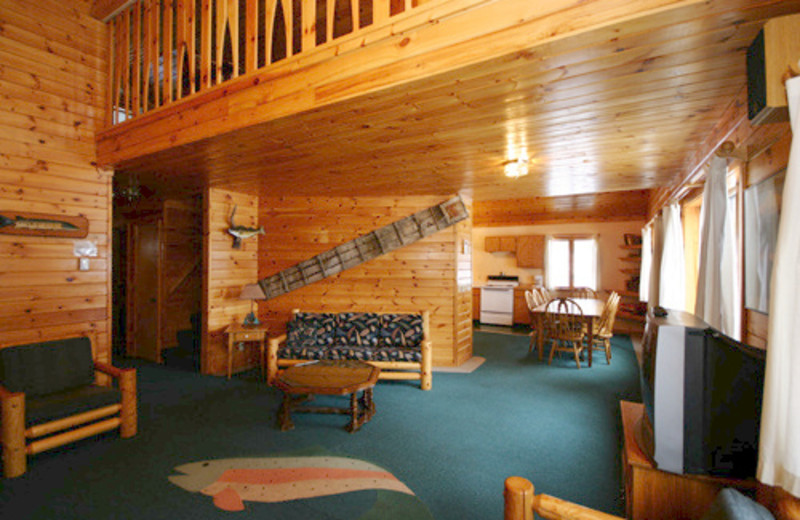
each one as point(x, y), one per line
point(53, 392)
point(397, 343)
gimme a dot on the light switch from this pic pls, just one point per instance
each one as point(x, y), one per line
point(83, 263)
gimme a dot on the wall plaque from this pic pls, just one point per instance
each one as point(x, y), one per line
point(43, 225)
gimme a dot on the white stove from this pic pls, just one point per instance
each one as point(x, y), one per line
point(497, 300)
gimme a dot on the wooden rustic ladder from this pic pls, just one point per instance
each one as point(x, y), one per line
point(366, 247)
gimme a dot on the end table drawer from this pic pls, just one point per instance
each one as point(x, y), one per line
point(249, 336)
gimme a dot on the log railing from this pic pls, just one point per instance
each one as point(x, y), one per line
point(164, 50)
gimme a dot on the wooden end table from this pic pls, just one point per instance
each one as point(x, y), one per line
point(238, 333)
point(300, 383)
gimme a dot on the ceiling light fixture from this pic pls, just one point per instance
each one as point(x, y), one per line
point(132, 191)
point(515, 168)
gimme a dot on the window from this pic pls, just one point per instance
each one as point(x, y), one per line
point(572, 262)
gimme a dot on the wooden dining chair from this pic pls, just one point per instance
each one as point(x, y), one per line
point(533, 298)
point(603, 328)
point(564, 322)
point(545, 294)
point(582, 292)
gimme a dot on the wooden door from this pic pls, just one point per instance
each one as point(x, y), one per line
point(144, 338)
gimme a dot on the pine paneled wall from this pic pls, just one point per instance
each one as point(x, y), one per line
point(227, 270)
point(425, 275)
point(52, 93)
point(462, 305)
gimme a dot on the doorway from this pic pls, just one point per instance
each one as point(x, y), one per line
point(157, 280)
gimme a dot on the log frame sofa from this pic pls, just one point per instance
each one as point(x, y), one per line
point(54, 392)
point(398, 343)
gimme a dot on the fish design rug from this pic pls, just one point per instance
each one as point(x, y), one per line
point(232, 482)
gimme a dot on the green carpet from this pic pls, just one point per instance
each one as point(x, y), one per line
point(452, 446)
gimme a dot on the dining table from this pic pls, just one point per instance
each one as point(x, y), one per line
point(591, 309)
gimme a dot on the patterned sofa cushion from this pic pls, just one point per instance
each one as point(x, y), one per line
point(364, 336)
point(311, 329)
point(401, 330)
point(360, 353)
point(357, 329)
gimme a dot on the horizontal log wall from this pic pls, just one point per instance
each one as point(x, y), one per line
point(52, 92)
point(226, 271)
point(419, 276)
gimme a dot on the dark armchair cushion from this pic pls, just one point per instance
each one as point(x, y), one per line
point(64, 404)
point(730, 504)
point(47, 368)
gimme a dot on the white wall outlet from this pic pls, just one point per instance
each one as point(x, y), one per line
point(83, 263)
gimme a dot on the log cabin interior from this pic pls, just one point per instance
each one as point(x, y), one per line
point(323, 120)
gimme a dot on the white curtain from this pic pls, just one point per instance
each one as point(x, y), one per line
point(713, 215)
point(654, 283)
point(672, 286)
point(729, 269)
point(779, 448)
point(647, 260)
point(761, 213)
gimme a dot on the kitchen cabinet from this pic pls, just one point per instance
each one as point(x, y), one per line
point(506, 244)
point(521, 314)
point(530, 251)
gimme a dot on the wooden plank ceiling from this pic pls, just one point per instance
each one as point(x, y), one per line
point(617, 108)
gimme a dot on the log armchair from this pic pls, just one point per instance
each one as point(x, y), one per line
point(50, 396)
point(729, 504)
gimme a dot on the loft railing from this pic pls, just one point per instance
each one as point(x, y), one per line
point(165, 50)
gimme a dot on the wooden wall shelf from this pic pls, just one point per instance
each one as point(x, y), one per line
point(630, 295)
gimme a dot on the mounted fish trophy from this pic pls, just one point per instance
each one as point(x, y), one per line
point(241, 232)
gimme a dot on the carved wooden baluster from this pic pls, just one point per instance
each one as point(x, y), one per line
point(205, 46)
point(380, 11)
point(227, 18)
point(330, 19)
point(355, 14)
point(270, 7)
point(126, 63)
point(153, 38)
point(136, 12)
point(309, 18)
point(251, 36)
point(110, 80)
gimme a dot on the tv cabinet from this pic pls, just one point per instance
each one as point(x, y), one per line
point(652, 494)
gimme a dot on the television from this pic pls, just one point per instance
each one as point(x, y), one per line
point(702, 393)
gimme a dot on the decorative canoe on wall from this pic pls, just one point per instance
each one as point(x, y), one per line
point(40, 224)
point(366, 247)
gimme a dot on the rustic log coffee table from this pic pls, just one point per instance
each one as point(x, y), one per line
point(300, 383)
